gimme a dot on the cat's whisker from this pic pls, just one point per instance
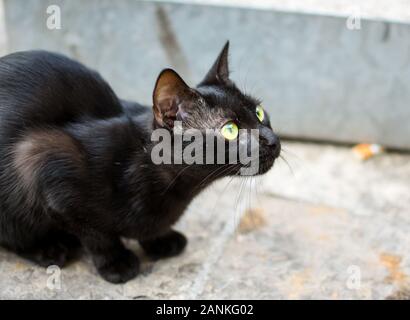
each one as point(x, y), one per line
point(203, 182)
point(173, 181)
point(251, 212)
point(211, 174)
point(228, 171)
point(247, 195)
point(238, 200)
point(288, 165)
point(227, 184)
point(257, 190)
point(291, 153)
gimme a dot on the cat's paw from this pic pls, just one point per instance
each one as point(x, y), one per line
point(55, 254)
point(169, 245)
point(53, 251)
point(121, 269)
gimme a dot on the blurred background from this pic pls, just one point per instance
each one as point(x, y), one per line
point(339, 78)
point(331, 220)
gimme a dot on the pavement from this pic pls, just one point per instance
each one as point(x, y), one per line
point(324, 225)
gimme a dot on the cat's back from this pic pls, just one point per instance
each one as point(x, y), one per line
point(43, 88)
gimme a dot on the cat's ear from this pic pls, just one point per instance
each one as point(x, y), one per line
point(219, 73)
point(171, 95)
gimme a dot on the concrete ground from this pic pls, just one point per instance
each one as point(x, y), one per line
point(329, 226)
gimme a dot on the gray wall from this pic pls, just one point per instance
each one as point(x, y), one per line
point(317, 78)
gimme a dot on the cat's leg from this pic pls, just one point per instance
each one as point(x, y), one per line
point(92, 225)
point(113, 261)
point(167, 245)
point(51, 164)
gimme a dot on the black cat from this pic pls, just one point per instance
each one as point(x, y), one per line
point(75, 163)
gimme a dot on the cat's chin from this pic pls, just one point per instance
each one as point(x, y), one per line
point(265, 168)
point(266, 164)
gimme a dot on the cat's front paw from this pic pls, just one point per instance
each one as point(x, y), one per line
point(121, 269)
point(168, 245)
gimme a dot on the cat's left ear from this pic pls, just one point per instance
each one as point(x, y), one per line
point(171, 97)
point(219, 73)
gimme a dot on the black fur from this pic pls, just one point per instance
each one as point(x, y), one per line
point(75, 165)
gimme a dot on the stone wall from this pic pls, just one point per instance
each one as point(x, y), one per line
point(318, 78)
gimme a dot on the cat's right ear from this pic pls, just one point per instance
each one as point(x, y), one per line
point(219, 72)
point(171, 95)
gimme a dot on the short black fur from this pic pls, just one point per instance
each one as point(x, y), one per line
point(75, 165)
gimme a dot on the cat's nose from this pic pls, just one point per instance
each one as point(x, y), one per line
point(277, 147)
point(274, 143)
point(271, 140)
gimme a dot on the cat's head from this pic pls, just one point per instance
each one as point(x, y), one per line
point(216, 104)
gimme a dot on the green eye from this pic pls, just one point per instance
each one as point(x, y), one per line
point(259, 113)
point(230, 130)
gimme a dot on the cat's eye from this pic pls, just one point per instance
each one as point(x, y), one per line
point(230, 130)
point(260, 113)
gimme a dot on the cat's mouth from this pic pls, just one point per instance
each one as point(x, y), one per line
point(266, 163)
point(267, 160)
point(268, 155)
